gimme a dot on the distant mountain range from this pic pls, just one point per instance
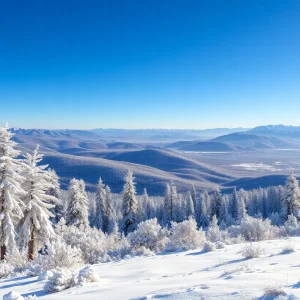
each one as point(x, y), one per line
point(290, 132)
point(156, 156)
point(209, 146)
point(248, 140)
point(240, 141)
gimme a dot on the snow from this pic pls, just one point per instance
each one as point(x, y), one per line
point(221, 274)
point(256, 167)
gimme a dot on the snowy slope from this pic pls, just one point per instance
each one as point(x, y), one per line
point(222, 274)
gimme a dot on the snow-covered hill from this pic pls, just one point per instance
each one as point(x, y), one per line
point(221, 274)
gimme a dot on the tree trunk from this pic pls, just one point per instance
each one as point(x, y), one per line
point(3, 252)
point(31, 244)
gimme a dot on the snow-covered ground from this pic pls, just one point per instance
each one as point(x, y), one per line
point(222, 274)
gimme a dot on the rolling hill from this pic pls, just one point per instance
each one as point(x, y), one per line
point(89, 155)
point(113, 172)
point(281, 131)
point(174, 163)
point(205, 146)
point(255, 141)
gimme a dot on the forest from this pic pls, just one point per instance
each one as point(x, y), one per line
point(43, 227)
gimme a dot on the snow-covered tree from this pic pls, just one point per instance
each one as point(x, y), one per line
point(77, 212)
point(36, 227)
point(100, 205)
point(265, 206)
point(150, 235)
point(242, 209)
point(185, 235)
point(216, 204)
point(190, 210)
point(224, 213)
point(213, 232)
point(147, 205)
point(274, 199)
point(254, 207)
point(129, 206)
point(170, 202)
point(291, 197)
point(203, 211)
point(194, 196)
point(168, 206)
point(10, 190)
point(207, 201)
point(54, 190)
point(238, 206)
point(235, 204)
point(179, 207)
point(109, 213)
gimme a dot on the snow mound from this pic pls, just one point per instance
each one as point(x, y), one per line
point(16, 296)
point(88, 274)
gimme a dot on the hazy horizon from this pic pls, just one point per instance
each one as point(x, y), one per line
point(147, 128)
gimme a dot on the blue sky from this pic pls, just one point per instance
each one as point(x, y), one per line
point(149, 63)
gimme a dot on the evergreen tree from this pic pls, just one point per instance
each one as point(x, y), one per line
point(36, 227)
point(291, 197)
point(207, 201)
point(108, 217)
point(274, 199)
point(224, 213)
point(130, 205)
point(54, 190)
point(10, 191)
point(190, 210)
point(60, 227)
point(235, 205)
point(194, 196)
point(168, 206)
point(216, 205)
point(100, 205)
point(204, 214)
point(174, 202)
point(242, 212)
point(147, 204)
point(77, 212)
point(265, 204)
point(254, 205)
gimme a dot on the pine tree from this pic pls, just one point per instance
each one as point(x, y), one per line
point(235, 205)
point(168, 206)
point(147, 204)
point(254, 208)
point(291, 197)
point(129, 206)
point(100, 205)
point(238, 206)
point(173, 201)
point(194, 196)
point(208, 204)
point(216, 204)
point(77, 212)
point(10, 191)
point(60, 227)
point(204, 213)
point(224, 213)
point(54, 190)
point(265, 204)
point(274, 199)
point(242, 209)
point(36, 227)
point(108, 214)
point(190, 210)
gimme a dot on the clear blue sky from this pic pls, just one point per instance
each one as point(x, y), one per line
point(149, 63)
